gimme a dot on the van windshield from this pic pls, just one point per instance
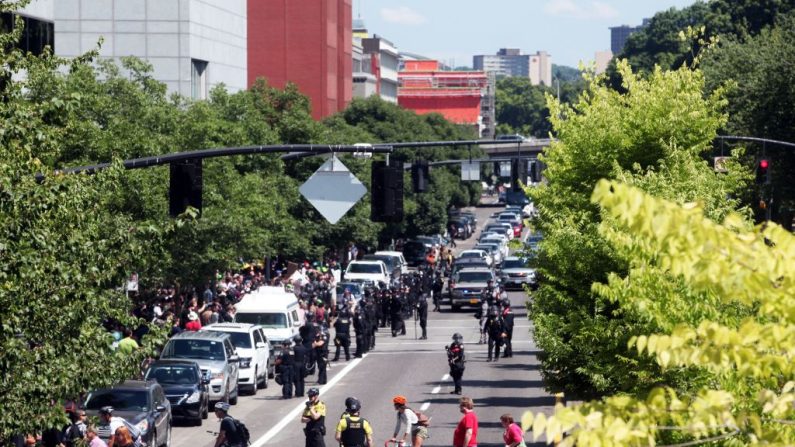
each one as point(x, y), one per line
point(269, 320)
point(356, 267)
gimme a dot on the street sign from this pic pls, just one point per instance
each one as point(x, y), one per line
point(470, 171)
point(332, 190)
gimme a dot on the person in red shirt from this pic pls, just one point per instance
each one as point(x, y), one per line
point(513, 435)
point(193, 323)
point(466, 433)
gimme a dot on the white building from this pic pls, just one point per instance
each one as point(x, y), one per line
point(192, 45)
point(541, 68)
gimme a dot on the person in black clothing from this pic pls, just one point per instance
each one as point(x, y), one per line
point(227, 434)
point(320, 346)
point(438, 285)
point(342, 334)
point(495, 329)
point(385, 296)
point(360, 326)
point(300, 356)
point(453, 230)
point(507, 317)
point(422, 314)
point(396, 315)
point(456, 359)
point(285, 364)
point(372, 319)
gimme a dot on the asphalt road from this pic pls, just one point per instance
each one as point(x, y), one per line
point(414, 368)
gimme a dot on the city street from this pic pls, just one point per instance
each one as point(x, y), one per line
point(414, 368)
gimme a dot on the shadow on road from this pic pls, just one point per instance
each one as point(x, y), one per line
point(505, 383)
point(517, 366)
point(497, 401)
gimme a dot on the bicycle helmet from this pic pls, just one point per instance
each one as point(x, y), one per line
point(399, 400)
point(222, 406)
point(313, 392)
point(458, 338)
point(353, 405)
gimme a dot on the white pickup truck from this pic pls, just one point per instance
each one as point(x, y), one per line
point(374, 271)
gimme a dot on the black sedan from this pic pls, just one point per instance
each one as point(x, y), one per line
point(185, 388)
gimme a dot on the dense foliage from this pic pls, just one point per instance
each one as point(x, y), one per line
point(522, 107)
point(735, 285)
point(653, 137)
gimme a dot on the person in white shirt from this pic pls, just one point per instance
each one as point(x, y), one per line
point(405, 416)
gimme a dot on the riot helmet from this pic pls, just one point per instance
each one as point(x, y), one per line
point(352, 405)
point(458, 338)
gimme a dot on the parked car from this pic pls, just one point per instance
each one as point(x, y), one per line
point(516, 223)
point(257, 356)
point(392, 265)
point(216, 356)
point(356, 288)
point(514, 272)
point(476, 254)
point(141, 403)
point(501, 241)
point(502, 228)
point(492, 249)
point(414, 252)
point(463, 230)
point(397, 257)
point(186, 388)
point(467, 285)
point(375, 271)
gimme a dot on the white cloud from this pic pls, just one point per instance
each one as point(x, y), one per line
point(580, 10)
point(403, 15)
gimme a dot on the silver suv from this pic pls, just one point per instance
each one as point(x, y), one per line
point(467, 285)
point(216, 356)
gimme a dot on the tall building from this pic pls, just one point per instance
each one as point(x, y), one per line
point(457, 95)
point(511, 62)
point(620, 34)
point(192, 45)
point(384, 63)
point(307, 43)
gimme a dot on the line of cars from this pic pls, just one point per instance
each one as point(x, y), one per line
point(489, 260)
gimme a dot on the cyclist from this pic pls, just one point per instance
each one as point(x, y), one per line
point(405, 416)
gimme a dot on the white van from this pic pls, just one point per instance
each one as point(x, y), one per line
point(398, 258)
point(273, 308)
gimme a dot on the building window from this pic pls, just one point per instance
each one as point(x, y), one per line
point(36, 35)
point(198, 79)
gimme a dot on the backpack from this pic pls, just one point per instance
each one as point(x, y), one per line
point(422, 419)
point(242, 431)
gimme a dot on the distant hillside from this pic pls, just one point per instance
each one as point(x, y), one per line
point(565, 73)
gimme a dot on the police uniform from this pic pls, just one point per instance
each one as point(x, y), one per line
point(456, 359)
point(286, 362)
point(301, 354)
point(354, 431)
point(422, 313)
point(342, 335)
point(315, 429)
point(495, 327)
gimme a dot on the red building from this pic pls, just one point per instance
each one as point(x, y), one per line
point(306, 42)
point(455, 94)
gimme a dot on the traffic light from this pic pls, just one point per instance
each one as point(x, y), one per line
point(185, 186)
point(386, 195)
point(763, 171)
point(518, 173)
point(420, 175)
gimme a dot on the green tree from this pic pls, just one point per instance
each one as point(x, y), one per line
point(64, 254)
point(653, 136)
point(762, 102)
point(522, 107)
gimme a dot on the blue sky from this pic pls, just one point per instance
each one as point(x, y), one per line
point(455, 30)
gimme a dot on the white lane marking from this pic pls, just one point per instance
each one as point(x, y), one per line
point(436, 390)
point(445, 377)
point(425, 406)
point(293, 414)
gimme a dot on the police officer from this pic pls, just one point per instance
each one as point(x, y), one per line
point(314, 416)
point(507, 317)
point(352, 429)
point(422, 314)
point(396, 315)
point(360, 326)
point(320, 346)
point(438, 285)
point(285, 363)
point(300, 357)
point(495, 328)
point(372, 319)
point(342, 334)
point(456, 359)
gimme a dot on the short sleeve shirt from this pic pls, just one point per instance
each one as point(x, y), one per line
point(320, 408)
point(470, 420)
point(343, 424)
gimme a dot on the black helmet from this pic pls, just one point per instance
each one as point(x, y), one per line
point(107, 409)
point(353, 405)
point(458, 338)
point(298, 340)
point(313, 392)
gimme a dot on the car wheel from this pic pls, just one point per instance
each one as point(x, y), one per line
point(255, 386)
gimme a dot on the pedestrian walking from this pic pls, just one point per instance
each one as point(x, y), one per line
point(314, 416)
point(422, 313)
point(513, 435)
point(456, 359)
point(466, 432)
point(228, 434)
point(508, 318)
point(352, 429)
point(453, 230)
